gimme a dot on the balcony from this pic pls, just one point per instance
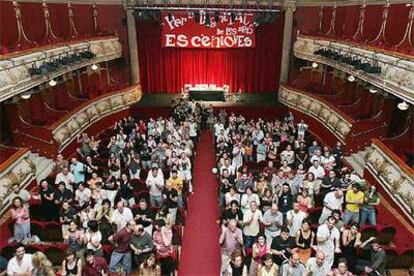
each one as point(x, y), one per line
point(22, 71)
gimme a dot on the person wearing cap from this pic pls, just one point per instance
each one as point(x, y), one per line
point(354, 199)
point(378, 259)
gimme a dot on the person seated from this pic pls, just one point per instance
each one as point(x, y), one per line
point(268, 267)
point(237, 267)
point(21, 263)
point(141, 244)
point(292, 267)
point(150, 267)
point(94, 265)
point(315, 265)
point(71, 265)
point(283, 246)
point(378, 259)
point(342, 269)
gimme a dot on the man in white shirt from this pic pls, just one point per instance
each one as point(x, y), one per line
point(294, 219)
point(251, 221)
point(67, 177)
point(17, 192)
point(332, 201)
point(288, 155)
point(317, 170)
point(21, 263)
point(121, 215)
point(327, 238)
point(315, 265)
point(155, 183)
point(83, 194)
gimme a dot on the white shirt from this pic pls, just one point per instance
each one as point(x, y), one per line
point(24, 267)
point(318, 172)
point(253, 228)
point(288, 155)
point(67, 179)
point(121, 219)
point(83, 196)
point(296, 219)
point(245, 201)
point(327, 246)
point(155, 183)
point(332, 202)
point(315, 270)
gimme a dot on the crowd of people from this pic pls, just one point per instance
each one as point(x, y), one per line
point(289, 206)
point(123, 190)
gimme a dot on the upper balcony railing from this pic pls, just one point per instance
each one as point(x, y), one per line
point(22, 71)
point(392, 73)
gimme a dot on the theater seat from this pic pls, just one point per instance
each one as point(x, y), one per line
point(53, 232)
point(55, 255)
point(386, 235)
point(368, 231)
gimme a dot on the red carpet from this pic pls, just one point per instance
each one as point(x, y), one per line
point(200, 249)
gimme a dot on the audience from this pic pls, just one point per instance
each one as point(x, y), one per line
point(288, 205)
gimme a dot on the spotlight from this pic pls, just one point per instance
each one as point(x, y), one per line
point(315, 65)
point(373, 89)
point(52, 82)
point(351, 78)
point(94, 67)
point(403, 106)
point(25, 96)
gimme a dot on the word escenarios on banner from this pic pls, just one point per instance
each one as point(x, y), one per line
point(185, 30)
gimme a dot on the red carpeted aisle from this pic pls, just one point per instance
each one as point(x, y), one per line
point(200, 250)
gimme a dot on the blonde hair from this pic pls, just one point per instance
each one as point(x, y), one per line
point(41, 262)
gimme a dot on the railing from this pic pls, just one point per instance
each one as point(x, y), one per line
point(332, 118)
point(65, 130)
point(396, 75)
point(14, 73)
point(395, 176)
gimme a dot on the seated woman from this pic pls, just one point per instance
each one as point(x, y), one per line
point(93, 238)
point(304, 241)
point(165, 250)
point(150, 267)
point(268, 268)
point(351, 239)
point(41, 265)
point(342, 269)
point(305, 201)
point(71, 265)
point(19, 213)
point(259, 249)
point(237, 267)
point(104, 218)
point(74, 238)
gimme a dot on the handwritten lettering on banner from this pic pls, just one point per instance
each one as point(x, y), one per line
point(182, 30)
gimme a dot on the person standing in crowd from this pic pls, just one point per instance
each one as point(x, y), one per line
point(155, 183)
point(121, 215)
point(71, 265)
point(368, 213)
point(17, 191)
point(327, 238)
point(19, 213)
point(94, 266)
point(237, 267)
point(354, 199)
point(121, 255)
point(315, 265)
point(377, 261)
point(251, 221)
point(292, 267)
point(231, 240)
point(332, 201)
point(273, 221)
point(141, 245)
point(268, 268)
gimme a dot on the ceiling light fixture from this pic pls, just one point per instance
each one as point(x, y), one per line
point(25, 96)
point(403, 106)
point(94, 67)
point(351, 78)
point(315, 65)
point(373, 90)
point(52, 82)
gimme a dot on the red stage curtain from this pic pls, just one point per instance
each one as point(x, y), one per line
point(254, 70)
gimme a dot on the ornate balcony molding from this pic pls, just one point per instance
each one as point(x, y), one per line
point(393, 174)
point(338, 123)
point(14, 69)
point(65, 130)
point(19, 168)
point(397, 75)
